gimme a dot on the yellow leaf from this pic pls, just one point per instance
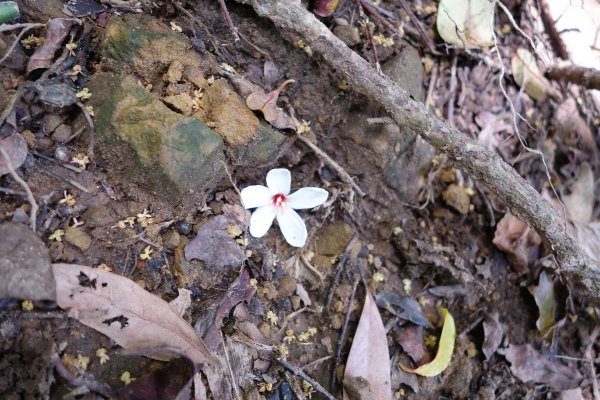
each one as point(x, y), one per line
point(444, 354)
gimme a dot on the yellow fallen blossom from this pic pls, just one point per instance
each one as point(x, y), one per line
point(101, 353)
point(381, 40)
point(80, 159)
point(378, 277)
point(175, 27)
point(27, 305)
point(289, 336)
point(307, 389)
point(76, 70)
point(68, 199)
point(303, 337)
point(283, 350)
point(71, 47)
point(312, 331)
point(265, 387)
point(84, 94)
point(304, 128)
point(272, 318)
point(82, 362)
point(145, 255)
point(90, 110)
point(32, 41)
point(126, 378)
point(122, 224)
point(57, 235)
point(145, 218)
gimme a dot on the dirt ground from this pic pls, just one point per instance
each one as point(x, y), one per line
point(424, 229)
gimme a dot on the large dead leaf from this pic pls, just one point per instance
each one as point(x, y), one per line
point(580, 202)
point(369, 359)
point(43, 56)
point(267, 104)
point(544, 298)
point(466, 23)
point(517, 240)
point(530, 366)
point(527, 75)
point(445, 349)
point(16, 148)
point(404, 307)
point(122, 310)
point(588, 237)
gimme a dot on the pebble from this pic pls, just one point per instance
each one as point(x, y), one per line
point(185, 228)
point(287, 286)
point(61, 153)
point(347, 34)
point(97, 216)
point(62, 133)
point(171, 239)
point(78, 238)
point(456, 197)
point(174, 72)
point(51, 122)
point(156, 263)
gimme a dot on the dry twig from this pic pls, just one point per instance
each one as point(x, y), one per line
point(24, 185)
point(582, 76)
point(483, 165)
point(298, 372)
point(342, 339)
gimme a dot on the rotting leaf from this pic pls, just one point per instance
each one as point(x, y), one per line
point(544, 298)
point(16, 148)
point(445, 349)
point(588, 237)
point(466, 23)
point(240, 290)
point(517, 240)
point(182, 302)
point(411, 340)
point(369, 357)
point(530, 366)
point(528, 76)
point(215, 245)
point(580, 203)
point(494, 332)
point(43, 56)
point(128, 314)
point(267, 104)
point(324, 8)
point(410, 308)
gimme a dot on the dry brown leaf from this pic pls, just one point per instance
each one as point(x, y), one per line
point(588, 237)
point(16, 148)
point(43, 56)
point(527, 75)
point(544, 298)
point(267, 104)
point(494, 332)
point(122, 310)
point(369, 358)
point(580, 203)
point(530, 366)
point(517, 240)
point(182, 302)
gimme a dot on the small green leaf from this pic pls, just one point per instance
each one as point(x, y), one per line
point(527, 75)
point(466, 23)
point(445, 349)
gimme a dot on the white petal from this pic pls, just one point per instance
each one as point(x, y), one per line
point(279, 181)
point(309, 197)
point(292, 227)
point(256, 196)
point(261, 220)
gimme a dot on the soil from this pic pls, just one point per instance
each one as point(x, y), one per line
point(428, 230)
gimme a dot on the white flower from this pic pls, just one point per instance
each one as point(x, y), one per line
point(274, 201)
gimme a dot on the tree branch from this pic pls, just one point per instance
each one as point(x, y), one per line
point(464, 153)
point(586, 77)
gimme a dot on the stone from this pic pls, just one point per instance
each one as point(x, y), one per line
point(51, 122)
point(458, 198)
point(174, 72)
point(62, 133)
point(171, 239)
point(25, 269)
point(347, 34)
point(164, 151)
point(98, 216)
point(406, 69)
point(181, 103)
point(78, 238)
point(287, 286)
point(333, 240)
point(196, 76)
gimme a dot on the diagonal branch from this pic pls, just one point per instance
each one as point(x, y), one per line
point(464, 153)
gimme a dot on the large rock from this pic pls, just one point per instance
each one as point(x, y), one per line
point(165, 150)
point(25, 270)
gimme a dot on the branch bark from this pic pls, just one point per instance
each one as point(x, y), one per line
point(481, 164)
point(586, 77)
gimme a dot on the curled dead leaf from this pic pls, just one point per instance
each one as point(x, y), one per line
point(527, 75)
point(43, 56)
point(267, 104)
point(129, 315)
point(466, 23)
point(517, 240)
point(445, 349)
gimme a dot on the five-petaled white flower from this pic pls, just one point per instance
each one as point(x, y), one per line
point(274, 201)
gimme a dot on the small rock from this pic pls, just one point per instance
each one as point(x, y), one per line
point(456, 197)
point(184, 228)
point(178, 88)
point(51, 122)
point(287, 286)
point(44, 144)
point(156, 263)
point(347, 34)
point(62, 133)
point(25, 270)
point(171, 239)
point(334, 239)
point(181, 103)
point(61, 153)
point(78, 238)
point(195, 76)
point(174, 73)
point(97, 216)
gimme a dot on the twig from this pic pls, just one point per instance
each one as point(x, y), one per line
point(231, 178)
point(338, 271)
point(26, 27)
point(367, 24)
point(84, 380)
point(68, 180)
point(336, 167)
point(557, 43)
point(485, 166)
point(582, 76)
point(231, 375)
point(90, 122)
point(288, 318)
point(424, 36)
point(12, 192)
point(297, 371)
point(47, 158)
point(342, 339)
point(374, 11)
point(24, 185)
point(318, 361)
point(228, 20)
point(451, 92)
point(432, 82)
point(588, 355)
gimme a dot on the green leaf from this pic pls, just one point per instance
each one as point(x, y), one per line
point(466, 23)
point(527, 75)
point(445, 349)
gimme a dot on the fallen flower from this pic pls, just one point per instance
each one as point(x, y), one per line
point(274, 201)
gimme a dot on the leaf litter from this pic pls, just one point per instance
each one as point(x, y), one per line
point(267, 104)
point(119, 308)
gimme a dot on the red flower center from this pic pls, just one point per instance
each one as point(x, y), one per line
point(279, 200)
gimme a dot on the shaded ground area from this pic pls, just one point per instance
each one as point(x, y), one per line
point(157, 202)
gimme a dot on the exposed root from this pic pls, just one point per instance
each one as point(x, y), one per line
point(24, 185)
